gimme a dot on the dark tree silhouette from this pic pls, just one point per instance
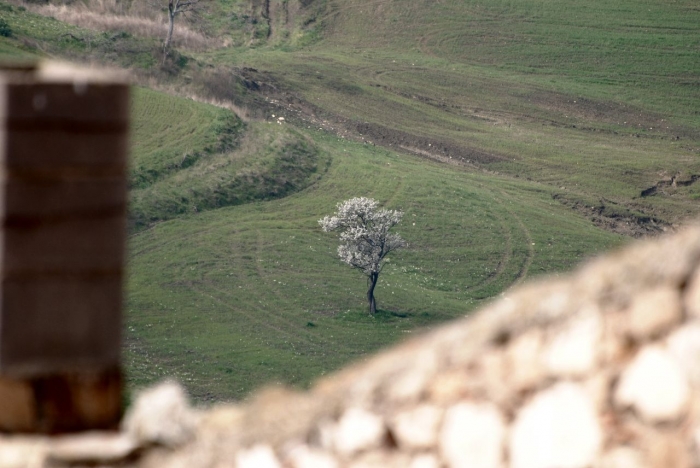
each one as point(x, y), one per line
point(176, 7)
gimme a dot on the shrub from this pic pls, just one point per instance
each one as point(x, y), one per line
point(5, 29)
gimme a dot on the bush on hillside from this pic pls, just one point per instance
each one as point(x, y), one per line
point(5, 29)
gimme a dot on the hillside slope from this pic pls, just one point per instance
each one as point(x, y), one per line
point(597, 99)
point(189, 157)
point(518, 137)
point(232, 298)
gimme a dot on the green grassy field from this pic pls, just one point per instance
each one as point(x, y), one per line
point(639, 52)
point(531, 88)
point(519, 138)
point(192, 157)
point(233, 298)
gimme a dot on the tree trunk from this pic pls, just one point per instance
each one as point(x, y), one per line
point(171, 25)
point(372, 281)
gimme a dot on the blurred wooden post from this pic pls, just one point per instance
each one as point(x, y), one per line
point(63, 148)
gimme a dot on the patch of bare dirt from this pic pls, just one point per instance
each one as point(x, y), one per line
point(620, 221)
point(476, 114)
point(423, 146)
point(274, 99)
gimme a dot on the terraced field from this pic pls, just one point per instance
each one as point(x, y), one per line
point(189, 157)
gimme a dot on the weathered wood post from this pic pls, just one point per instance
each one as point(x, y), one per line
point(63, 148)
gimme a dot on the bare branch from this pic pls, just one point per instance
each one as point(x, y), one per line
point(176, 7)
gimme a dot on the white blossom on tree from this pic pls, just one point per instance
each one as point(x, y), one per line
point(365, 240)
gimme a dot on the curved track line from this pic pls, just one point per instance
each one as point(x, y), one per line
point(530, 249)
point(249, 316)
point(399, 187)
point(424, 47)
point(505, 258)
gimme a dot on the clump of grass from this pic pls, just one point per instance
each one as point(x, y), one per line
point(5, 29)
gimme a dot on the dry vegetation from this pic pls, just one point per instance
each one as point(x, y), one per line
point(139, 19)
point(550, 131)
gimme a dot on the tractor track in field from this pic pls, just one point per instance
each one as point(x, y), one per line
point(262, 323)
point(522, 273)
point(508, 248)
point(397, 190)
point(424, 47)
point(505, 259)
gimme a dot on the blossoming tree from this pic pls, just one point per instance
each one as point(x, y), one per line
point(364, 236)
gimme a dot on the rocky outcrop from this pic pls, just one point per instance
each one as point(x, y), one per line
point(601, 369)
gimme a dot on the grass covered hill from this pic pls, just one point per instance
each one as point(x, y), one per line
point(525, 88)
point(518, 137)
point(190, 157)
point(231, 298)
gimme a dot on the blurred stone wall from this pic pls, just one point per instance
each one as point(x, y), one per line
point(599, 369)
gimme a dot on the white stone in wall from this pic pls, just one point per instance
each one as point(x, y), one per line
point(597, 388)
point(161, 415)
point(412, 383)
point(417, 428)
point(555, 302)
point(448, 387)
point(380, 459)
point(96, 447)
point(302, 456)
point(654, 385)
point(653, 312)
point(358, 430)
point(558, 428)
point(692, 296)
point(572, 351)
point(22, 452)
point(258, 456)
point(525, 367)
point(408, 387)
point(472, 436)
point(622, 457)
point(425, 460)
point(324, 434)
point(666, 447)
point(684, 345)
point(493, 376)
point(612, 347)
